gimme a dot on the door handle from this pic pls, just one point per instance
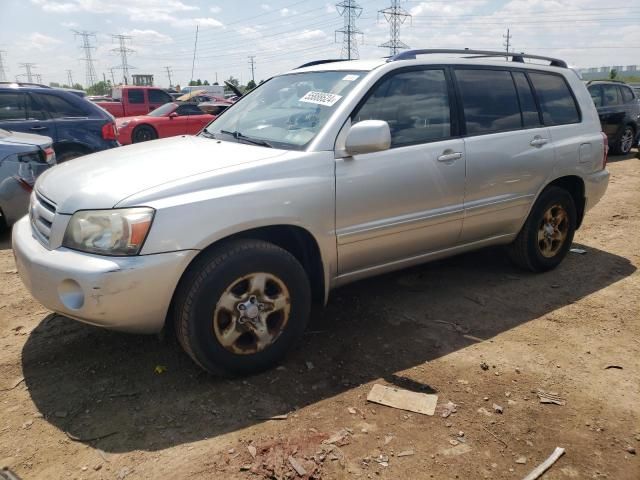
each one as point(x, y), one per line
point(38, 128)
point(538, 141)
point(450, 157)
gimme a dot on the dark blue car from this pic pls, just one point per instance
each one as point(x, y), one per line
point(76, 125)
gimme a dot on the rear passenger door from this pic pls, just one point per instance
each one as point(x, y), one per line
point(157, 98)
point(509, 152)
point(613, 111)
point(21, 112)
point(404, 202)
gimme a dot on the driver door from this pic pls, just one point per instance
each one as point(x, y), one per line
point(394, 207)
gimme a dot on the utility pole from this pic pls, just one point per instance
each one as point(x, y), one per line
point(27, 67)
point(113, 77)
point(168, 69)
point(350, 10)
point(123, 50)
point(69, 78)
point(395, 15)
point(3, 71)
point(195, 49)
point(91, 77)
point(252, 64)
point(507, 42)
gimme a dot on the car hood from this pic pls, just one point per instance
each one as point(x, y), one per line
point(103, 179)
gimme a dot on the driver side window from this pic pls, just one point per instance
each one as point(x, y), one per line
point(414, 103)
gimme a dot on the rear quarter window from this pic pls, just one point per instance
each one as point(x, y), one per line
point(627, 94)
point(556, 100)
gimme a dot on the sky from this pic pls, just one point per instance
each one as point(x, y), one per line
point(283, 34)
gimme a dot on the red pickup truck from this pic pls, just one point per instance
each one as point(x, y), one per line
point(132, 101)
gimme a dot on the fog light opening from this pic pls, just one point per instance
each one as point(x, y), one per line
point(70, 294)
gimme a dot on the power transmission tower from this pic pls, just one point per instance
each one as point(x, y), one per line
point(252, 64)
point(91, 77)
point(27, 68)
point(113, 77)
point(350, 10)
point(507, 41)
point(395, 15)
point(38, 77)
point(3, 71)
point(123, 50)
point(69, 78)
point(168, 69)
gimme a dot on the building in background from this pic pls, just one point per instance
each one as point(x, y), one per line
point(142, 80)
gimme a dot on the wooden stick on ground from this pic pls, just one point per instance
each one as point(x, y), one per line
point(544, 466)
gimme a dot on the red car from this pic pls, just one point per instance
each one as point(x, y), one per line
point(169, 120)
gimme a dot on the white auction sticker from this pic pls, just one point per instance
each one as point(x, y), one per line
point(321, 98)
point(350, 78)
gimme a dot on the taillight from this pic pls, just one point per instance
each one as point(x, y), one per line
point(49, 155)
point(109, 131)
point(605, 153)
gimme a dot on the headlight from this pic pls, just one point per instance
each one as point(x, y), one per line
point(123, 124)
point(109, 232)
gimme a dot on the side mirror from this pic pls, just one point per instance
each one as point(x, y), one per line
point(173, 115)
point(368, 136)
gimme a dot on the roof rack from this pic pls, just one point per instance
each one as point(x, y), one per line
point(24, 84)
point(320, 62)
point(515, 57)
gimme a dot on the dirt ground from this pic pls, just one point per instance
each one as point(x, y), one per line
point(77, 402)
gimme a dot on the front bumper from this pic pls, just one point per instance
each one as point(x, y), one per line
point(130, 294)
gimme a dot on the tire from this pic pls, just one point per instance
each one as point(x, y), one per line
point(530, 253)
point(143, 133)
point(624, 141)
point(69, 155)
point(210, 295)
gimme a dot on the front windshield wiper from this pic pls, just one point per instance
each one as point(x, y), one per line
point(240, 136)
point(207, 133)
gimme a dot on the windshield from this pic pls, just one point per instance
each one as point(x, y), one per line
point(162, 111)
point(287, 111)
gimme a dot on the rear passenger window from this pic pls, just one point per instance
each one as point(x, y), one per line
point(556, 101)
point(610, 95)
point(12, 106)
point(36, 108)
point(158, 96)
point(627, 94)
point(489, 100)
point(135, 96)
point(530, 117)
point(415, 104)
point(61, 108)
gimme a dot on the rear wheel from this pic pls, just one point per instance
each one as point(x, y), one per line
point(624, 141)
point(241, 307)
point(143, 133)
point(548, 232)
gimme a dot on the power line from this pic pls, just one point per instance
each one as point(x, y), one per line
point(507, 41)
point(252, 64)
point(168, 69)
point(91, 77)
point(395, 15)
point(27, 67)
point(123, 50)
point(3, 71)
point(350, 10)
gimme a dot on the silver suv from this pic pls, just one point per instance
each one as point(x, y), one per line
point(321, 176)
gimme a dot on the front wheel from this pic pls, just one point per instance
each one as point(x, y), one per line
point(143, 133)
point(241, 307)
point(548, 232)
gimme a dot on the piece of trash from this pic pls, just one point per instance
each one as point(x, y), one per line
point(448, 409)
point(244, 468)
point(11, 271)
point(160, 369)
point(474, 338)
point(340, 437)
point(544, 466)
point(484, 366)
point(495, 436)
point(252, 451)
point(613, 366)
point(388, 438)
point(297, 466)
point(352, 410)
point(284, 416)
point(422, 403)
point(382, 459)
point(497, 408)
point(521, 460)
point(580, 251)
point(454, 442)
point(309, 365)
point(550, 397)
point(406, 453)
point(631, 450)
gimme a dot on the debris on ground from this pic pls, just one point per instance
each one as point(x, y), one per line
point(252, 451)
point(550, 397)
point(405, 453)
point(297, 466)
point(495, 436)
point(521, 460)
point(544, 466)
point(497, 408)
point(484, 366)
point(448, 409)
point(618, 367)
point(160, 369)
point(340, 438)
point(382, 460)
point(631, 450)
point(309, 365)
point(580, 251)
point(352, 410)
point(422, 403)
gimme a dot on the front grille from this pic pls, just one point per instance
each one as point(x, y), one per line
point(42, 213)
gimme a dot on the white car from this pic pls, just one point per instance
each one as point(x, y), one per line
point(321, 176)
